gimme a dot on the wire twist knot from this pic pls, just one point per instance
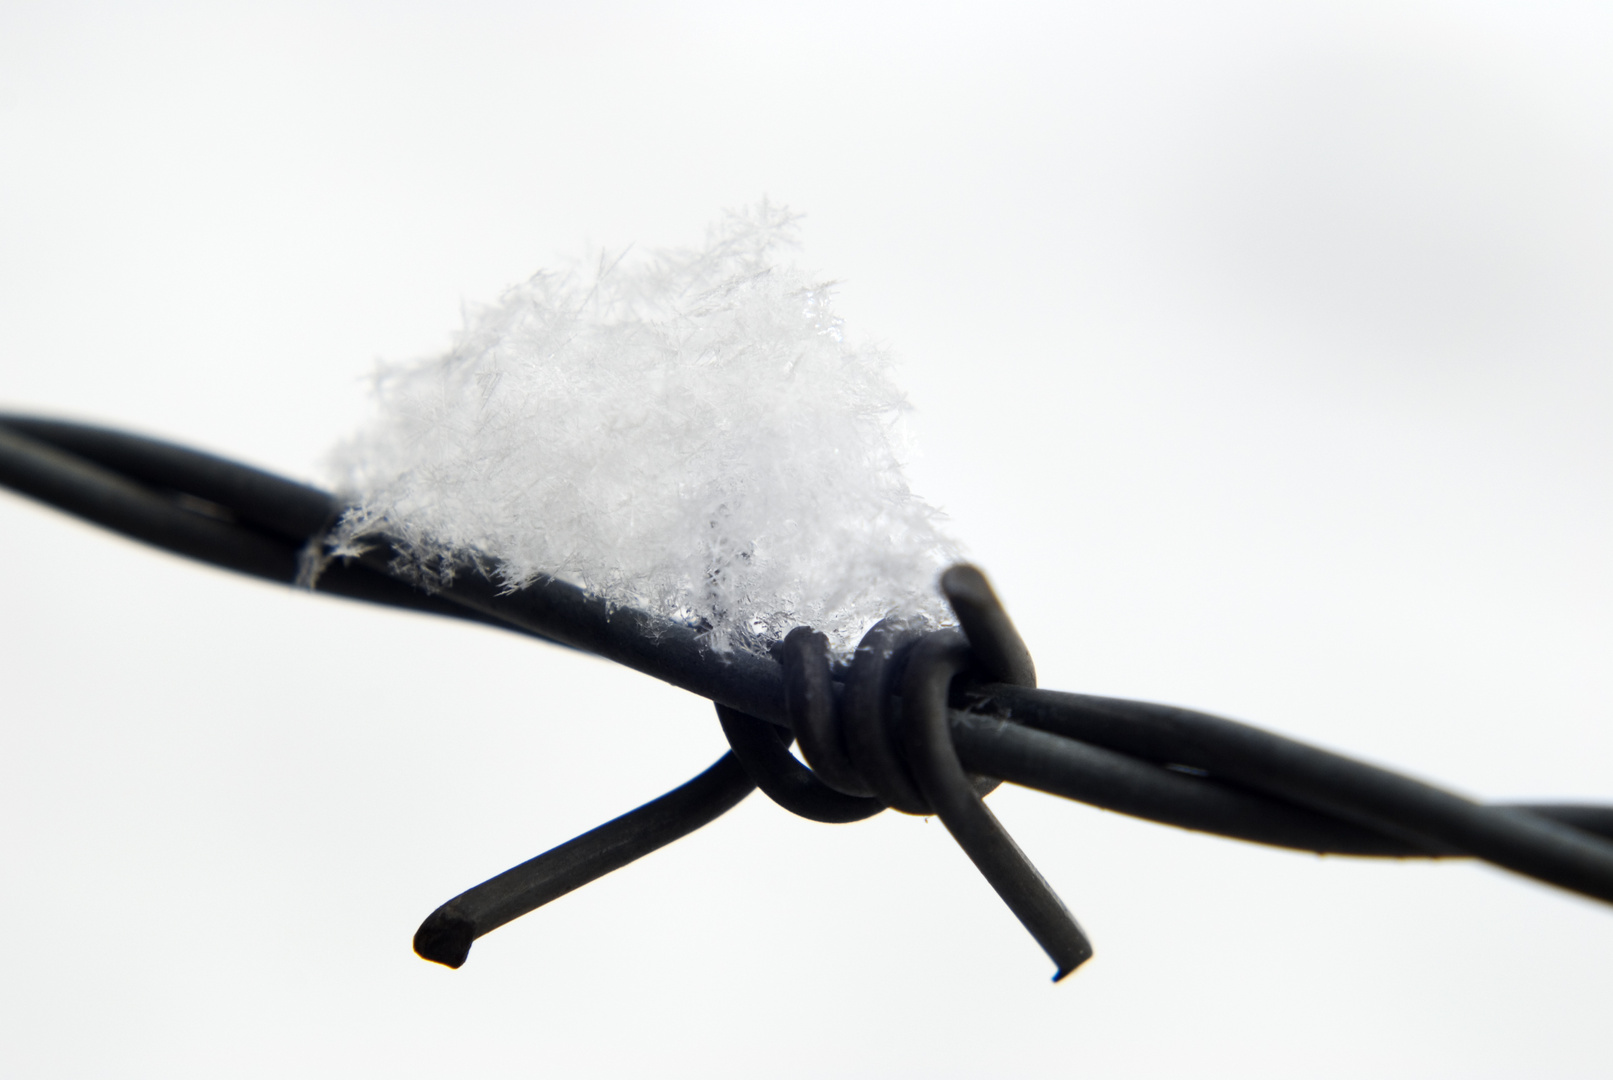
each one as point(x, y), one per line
point(883, 742)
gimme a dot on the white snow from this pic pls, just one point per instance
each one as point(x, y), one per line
point(689, 433)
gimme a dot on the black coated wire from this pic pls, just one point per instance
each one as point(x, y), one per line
point(987, 647)
point(936, 660)
point(446, 935)
point(1396, 805)
point(762, 753)
point(1127, 756)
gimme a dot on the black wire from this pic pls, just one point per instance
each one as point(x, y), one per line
point(761, 748)
point(936, 660)
point(1128, 785)
point(195, 505)
point(272, 503)
point(1110, 753)
point(73, 483)
point(1353, 791)
point(815, 712)
point(446, 935)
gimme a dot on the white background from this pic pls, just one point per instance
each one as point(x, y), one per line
point(1260, 352)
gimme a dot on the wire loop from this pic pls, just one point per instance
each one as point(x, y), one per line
point(874, 742)
point(762, 749)
point(809, 699)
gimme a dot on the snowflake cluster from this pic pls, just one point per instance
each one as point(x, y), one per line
point(688, 433)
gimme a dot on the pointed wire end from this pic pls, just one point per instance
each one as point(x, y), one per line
point(444, 938)
point(1068, 966)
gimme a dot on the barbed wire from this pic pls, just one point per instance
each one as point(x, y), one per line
point(918, 723)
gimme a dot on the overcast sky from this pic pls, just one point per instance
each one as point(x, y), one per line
point(1259, 352)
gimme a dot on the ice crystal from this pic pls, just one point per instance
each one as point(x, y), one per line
point(688, 433)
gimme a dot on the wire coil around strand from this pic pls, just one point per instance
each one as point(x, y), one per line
point(868, 753)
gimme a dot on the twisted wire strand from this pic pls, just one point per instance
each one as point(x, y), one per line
point(1121, 755)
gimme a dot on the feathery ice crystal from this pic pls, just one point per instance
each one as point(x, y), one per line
point(687, 433)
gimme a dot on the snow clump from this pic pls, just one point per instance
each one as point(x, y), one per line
point(688, 433)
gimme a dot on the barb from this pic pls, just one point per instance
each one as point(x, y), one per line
point(1126, 756)
point(446, 935)
point(936, 660)
point(994, 649)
